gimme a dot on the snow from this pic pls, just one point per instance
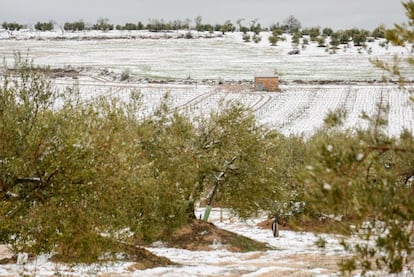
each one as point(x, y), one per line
point(191, 69)
point(226, 57)
point(292, 252)
point(297, 109)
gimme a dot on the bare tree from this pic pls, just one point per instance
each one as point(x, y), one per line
point(292, 24)
point(198, 21)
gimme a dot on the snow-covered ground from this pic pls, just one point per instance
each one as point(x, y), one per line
point(297, 109)
point(293, 254)
point(226, 57)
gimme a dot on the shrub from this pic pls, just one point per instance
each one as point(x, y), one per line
point(327, 32)
point(334, 40)
point(103, 25)
point(257, 38)
point(44, 26)
point(321, 41)
point(12, 26)
point(246, 38)
point(74, 26)
point(359, 38)
point(125, 75)
point(379, 32)
point(189, 35)
point(296, 38)
point(276, 36)
point(314, 33)
point(273, 40)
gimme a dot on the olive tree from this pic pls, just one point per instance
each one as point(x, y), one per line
point(43, 166)
point(12, 26)
point(327, 31)
point(103, 25)
point(400, 35)
point(229, 162)
point(378, 32)
point(74, 26)
point(44, 26)
point(364, 178)
point(71, 173)
point(276, 36)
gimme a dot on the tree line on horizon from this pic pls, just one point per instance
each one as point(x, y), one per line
point(290, 25)
point(251, 30)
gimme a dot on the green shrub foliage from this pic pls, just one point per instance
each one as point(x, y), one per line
point(81, 180)
point(365, 179)
point(44, 26)
point(12, 26)
point(74, 26)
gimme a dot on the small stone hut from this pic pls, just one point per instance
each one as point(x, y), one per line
point(266, 82)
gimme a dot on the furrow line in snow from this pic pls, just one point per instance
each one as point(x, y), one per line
point(300, 112)
point(197, 100)
point(107, 94)
point(259, 105)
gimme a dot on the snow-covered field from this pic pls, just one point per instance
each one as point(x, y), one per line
point(297, 109)
point(226, 57)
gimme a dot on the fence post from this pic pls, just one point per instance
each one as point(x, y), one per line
point(275, 227)
point(207, 213)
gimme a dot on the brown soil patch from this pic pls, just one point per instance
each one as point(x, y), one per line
point(201, 235)
point(328, 263)
point(267, 224)
point(144, 259)
point(62, 73)
point(54, 72)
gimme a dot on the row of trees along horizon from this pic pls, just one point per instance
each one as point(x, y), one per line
point(290, 25)
point(87, 179)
